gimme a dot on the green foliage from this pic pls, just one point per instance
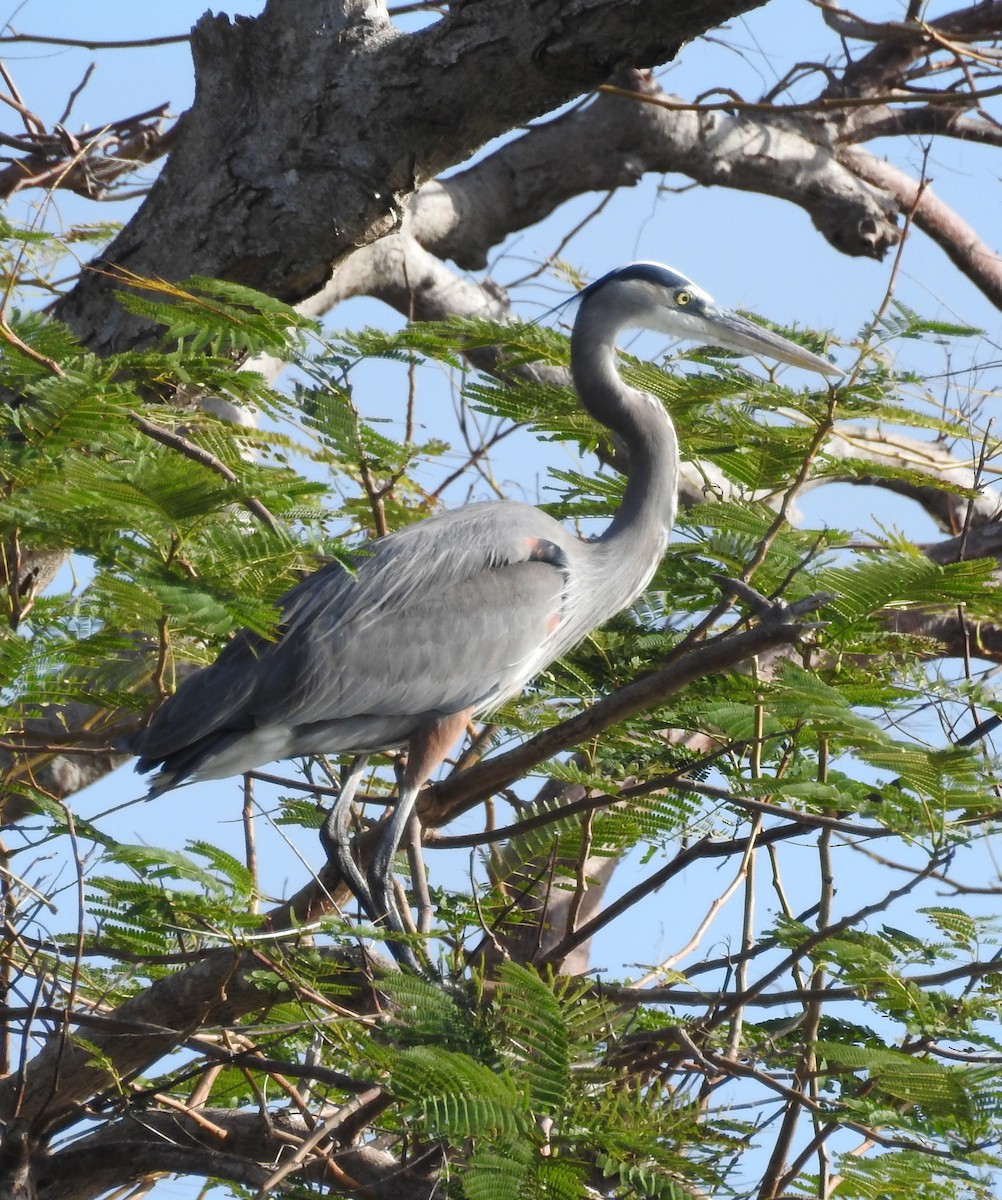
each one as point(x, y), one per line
point(161, 500)
point(165, 899)
point(184, 527)
point(537, 1107)
point(215, 315)
point(899, 321)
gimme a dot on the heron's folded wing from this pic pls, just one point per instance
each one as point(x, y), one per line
point(473, 643)
point(449, 613)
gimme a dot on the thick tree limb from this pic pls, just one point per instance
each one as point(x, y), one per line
point(218, 990)
point(955, 237)
point(918, 122)
point(951, 510)
point(85, 755)
point(615, 140)
point(980, 541)
point(950, 633)
point(244, 1151)
point(274, 194)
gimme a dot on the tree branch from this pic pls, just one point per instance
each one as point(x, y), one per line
point(89, 162)
point(135, 1146)
point(273, 195)
point(958, 240)
point(640, 129)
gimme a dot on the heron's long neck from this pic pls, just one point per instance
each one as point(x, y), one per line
point(635, 540)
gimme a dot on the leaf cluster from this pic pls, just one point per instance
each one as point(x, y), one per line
point(533, 1097)
point(183, 527)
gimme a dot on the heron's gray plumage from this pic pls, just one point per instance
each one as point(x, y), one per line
point(456, 613)
point(371, 649)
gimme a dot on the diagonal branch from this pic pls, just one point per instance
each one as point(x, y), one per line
point(245, 1146)
point(463, 790)
point(637, 129)
point(959, 241)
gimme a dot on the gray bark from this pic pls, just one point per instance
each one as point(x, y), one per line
point(236, 1146)
point(314, 123)
point(314, 143)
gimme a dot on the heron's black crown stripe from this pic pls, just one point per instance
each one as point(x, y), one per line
point(645, 272)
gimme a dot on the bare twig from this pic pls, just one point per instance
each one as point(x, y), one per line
point(92, 44)
point(176, 441)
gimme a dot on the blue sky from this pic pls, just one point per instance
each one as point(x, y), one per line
point(748, 251)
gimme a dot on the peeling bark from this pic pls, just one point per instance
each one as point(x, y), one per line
point(288, 175)
point(275, 194)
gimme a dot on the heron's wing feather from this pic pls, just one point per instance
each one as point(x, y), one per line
point(444, 615)
point(415, 564)
point(475, 642)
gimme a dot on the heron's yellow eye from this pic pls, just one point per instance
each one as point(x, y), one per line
point(682, 298)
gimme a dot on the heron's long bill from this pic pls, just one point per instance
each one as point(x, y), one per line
point(728, 329)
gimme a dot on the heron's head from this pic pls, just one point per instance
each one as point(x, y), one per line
point(648, 295)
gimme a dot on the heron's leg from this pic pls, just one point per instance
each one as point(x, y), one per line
point(419, 876)
point(336, 839)
point(765, 609)
point(428, 749)
point(381, 863)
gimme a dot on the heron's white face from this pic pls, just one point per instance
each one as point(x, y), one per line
point(668, 302)
point(679, 308)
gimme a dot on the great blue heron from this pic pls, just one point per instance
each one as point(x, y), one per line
point(455, 614)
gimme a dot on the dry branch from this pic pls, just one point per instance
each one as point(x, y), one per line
point(89, 162)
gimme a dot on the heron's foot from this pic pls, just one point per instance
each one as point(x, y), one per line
point(386, 912)
point(376, 895)
point(336, 841)
point(768, 611)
